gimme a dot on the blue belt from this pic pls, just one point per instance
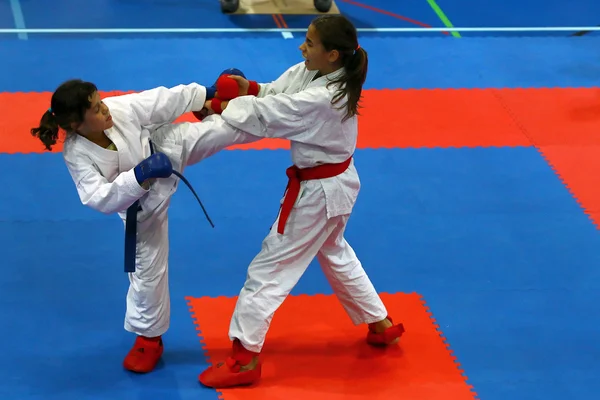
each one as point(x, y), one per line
point(131, 223)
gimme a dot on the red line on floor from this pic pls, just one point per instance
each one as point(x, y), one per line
point(388, 13)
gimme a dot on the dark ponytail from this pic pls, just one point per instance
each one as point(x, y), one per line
point(336, 32)
point(68, 106)
point(47, 132)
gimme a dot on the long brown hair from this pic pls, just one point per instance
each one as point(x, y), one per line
point(68, 105)
point(336, 32)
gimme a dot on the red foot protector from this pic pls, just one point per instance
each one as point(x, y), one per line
point(144, 355)
point(325, 356)
point(386, 337)
point(229, 373)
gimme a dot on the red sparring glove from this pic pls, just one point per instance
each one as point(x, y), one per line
point(215, 104)
point(253, 88)
point(227, 88)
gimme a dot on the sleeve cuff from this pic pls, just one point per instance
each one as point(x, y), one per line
point(132, 185)
point(199, 99)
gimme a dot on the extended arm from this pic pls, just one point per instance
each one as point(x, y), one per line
point(162, 105)
point(202, 140)
point(295, 117)
point(228, 90)
point(280, 84)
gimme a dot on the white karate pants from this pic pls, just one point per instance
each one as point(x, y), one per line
point(283, 260)
point(148, 300)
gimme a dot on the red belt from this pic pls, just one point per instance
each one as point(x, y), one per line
point(297, 175)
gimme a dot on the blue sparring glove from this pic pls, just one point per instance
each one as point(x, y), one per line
point(157, 165)
point(233, 71)
point(210, 91)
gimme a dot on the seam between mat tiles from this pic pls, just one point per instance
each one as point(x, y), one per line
point(448, 348)
point(513, 117)
point(189, 300)
point(554, 169)
point(571, 191)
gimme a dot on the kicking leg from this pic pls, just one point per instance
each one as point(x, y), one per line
point(354, 289)
point(199, 140)
point(271, 276)
point(148, 300)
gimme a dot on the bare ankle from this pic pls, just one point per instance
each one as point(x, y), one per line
point(251, 365)
point(382, 325)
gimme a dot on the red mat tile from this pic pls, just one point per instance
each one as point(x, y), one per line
point(19, 112)
point(556, 116)
point(390, 119)
point(326, 357)
point(437, 118)
point(579, 169)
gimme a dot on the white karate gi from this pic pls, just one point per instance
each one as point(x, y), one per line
point(106, 182)
point(298, 108)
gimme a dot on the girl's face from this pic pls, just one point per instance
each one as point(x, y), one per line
point(97, 118)
point(317, 58)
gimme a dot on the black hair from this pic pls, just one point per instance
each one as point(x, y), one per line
point(68, 105)
point(336, 32)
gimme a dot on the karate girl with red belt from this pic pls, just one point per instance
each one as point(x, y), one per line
point(314, 105)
